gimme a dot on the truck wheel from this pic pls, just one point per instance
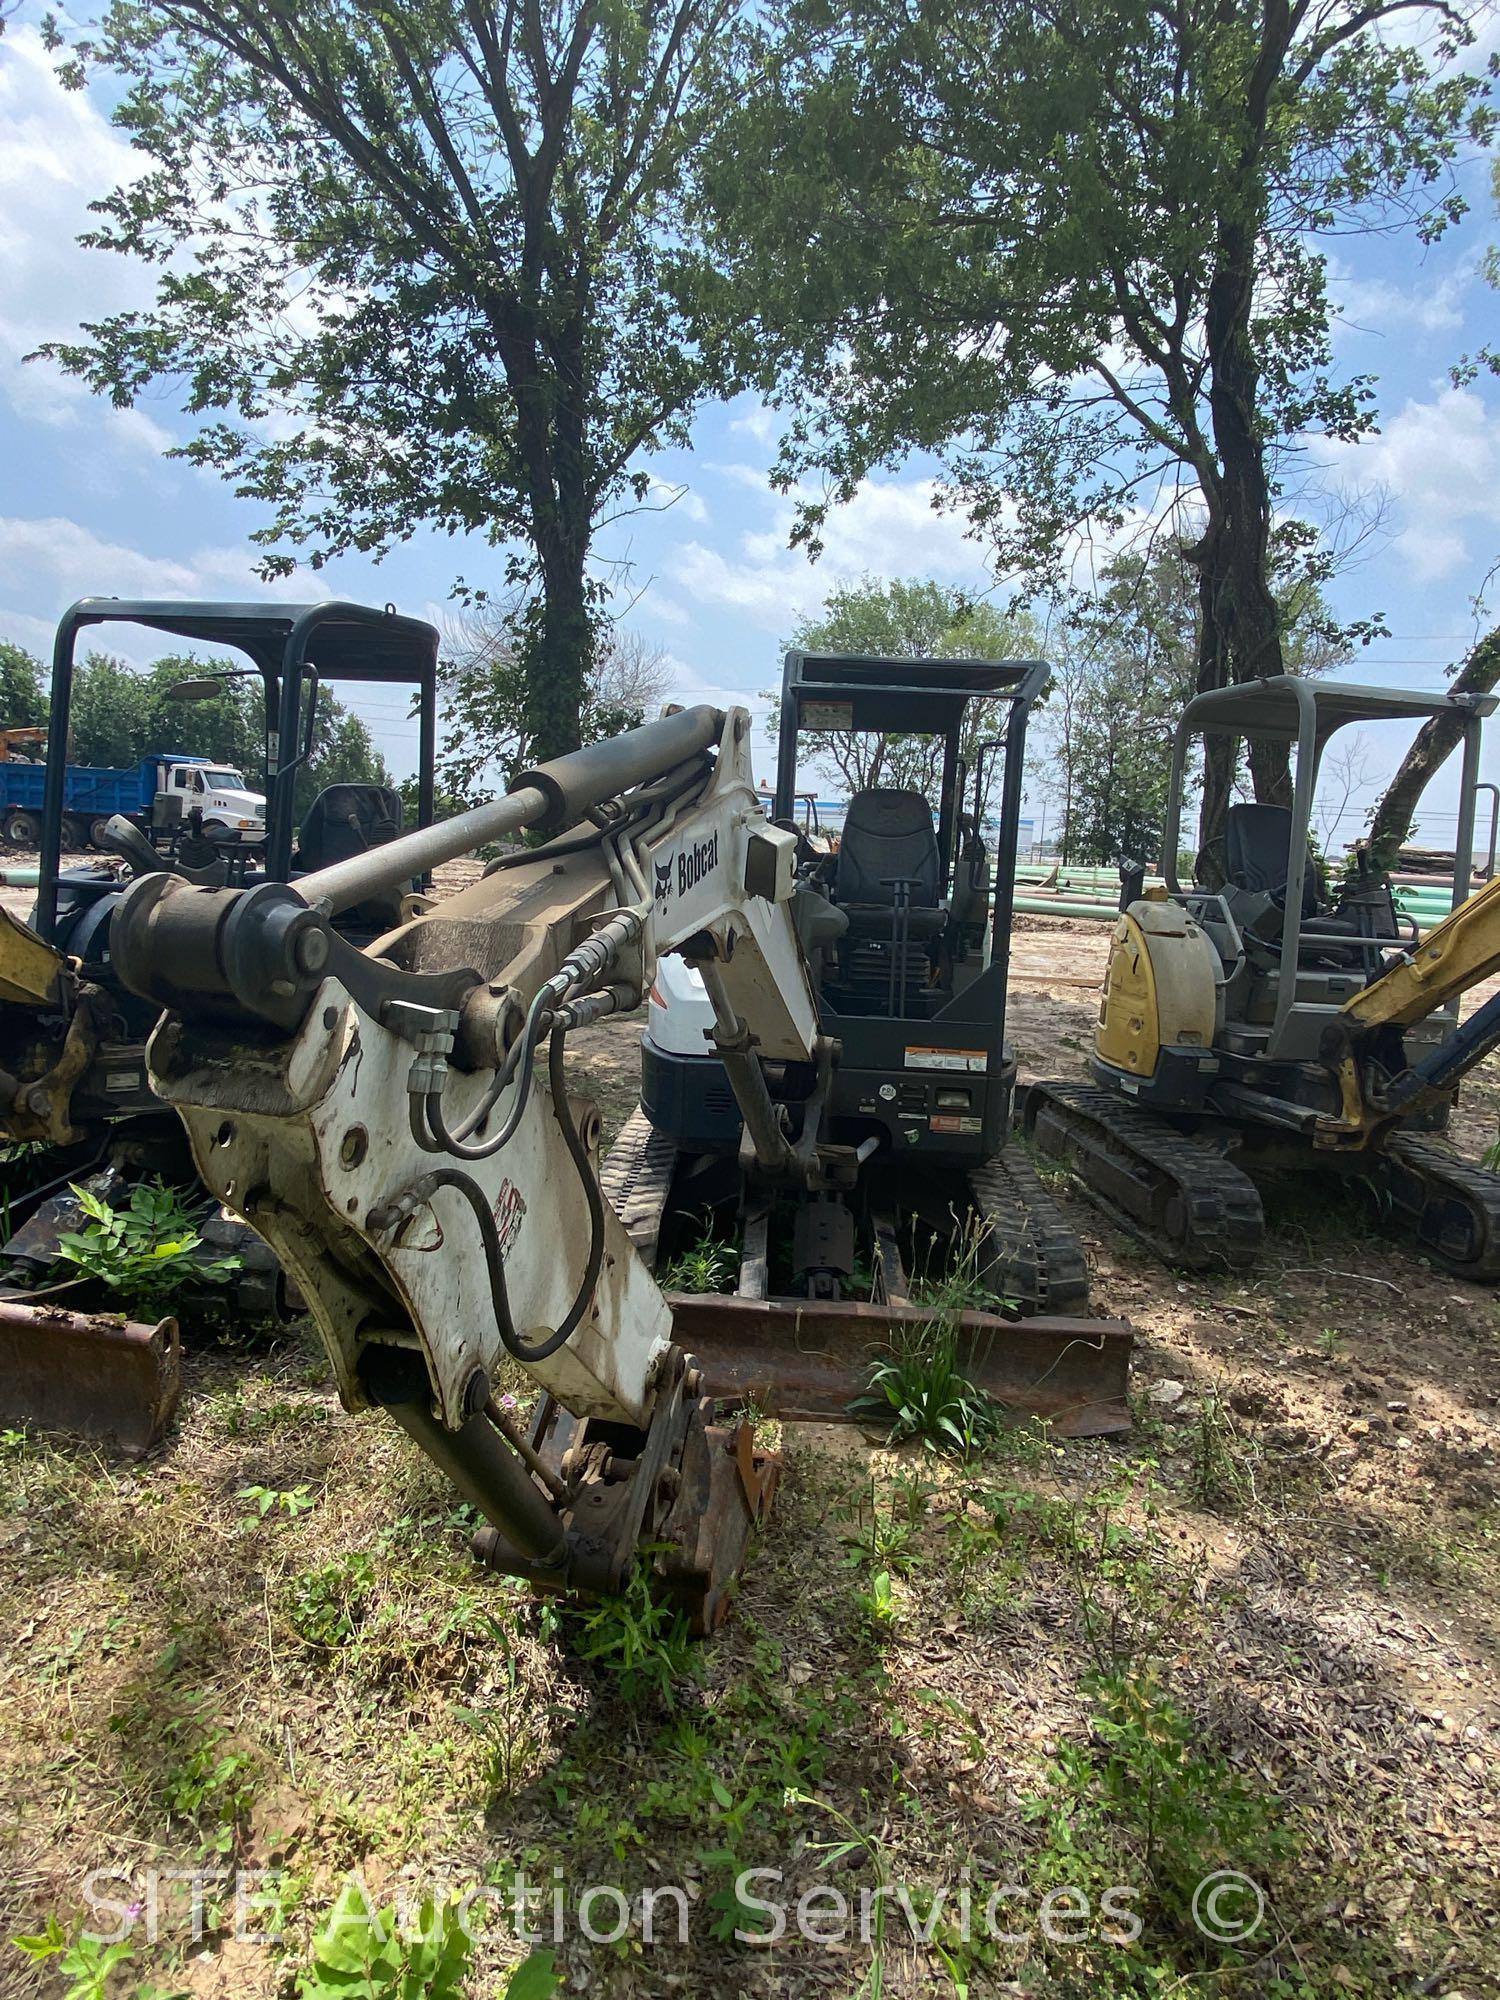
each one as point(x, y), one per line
point(97, 829)
point(21, 830)
point(75, 832)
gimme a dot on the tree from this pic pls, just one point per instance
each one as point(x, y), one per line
point(22, 703)
point(420, 264)
point(1391, 821)
point(1127, 667)
point(121, 713)
point(484, 698)
point(1133, 655)
point(1393, 817)
point(910, 620)
point(1073, 248)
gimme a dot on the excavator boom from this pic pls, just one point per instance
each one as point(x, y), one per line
point(397, 1123)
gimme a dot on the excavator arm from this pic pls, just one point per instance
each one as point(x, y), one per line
point(1377, 1084)
point(396, 1122)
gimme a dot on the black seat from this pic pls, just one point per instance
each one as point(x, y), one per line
point(345, 820)
point(889, 840)
point(1257, 847)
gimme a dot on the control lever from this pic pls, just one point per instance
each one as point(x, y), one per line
point(123, 837)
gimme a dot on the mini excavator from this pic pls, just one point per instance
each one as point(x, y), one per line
point(75, 1102)
point(396, 1119)
point(1259, 1028)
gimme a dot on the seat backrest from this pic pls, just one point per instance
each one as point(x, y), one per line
point(1257, 842)
point(888, 833)
point(345, 820)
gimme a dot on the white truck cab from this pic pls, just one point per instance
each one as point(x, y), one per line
point(226, 802)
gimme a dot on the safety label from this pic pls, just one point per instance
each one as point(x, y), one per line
point(827, 715)
point(964, 1059)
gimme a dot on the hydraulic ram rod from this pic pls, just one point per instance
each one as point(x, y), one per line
point(548, 797)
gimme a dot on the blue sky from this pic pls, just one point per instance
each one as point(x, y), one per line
point(89, 505)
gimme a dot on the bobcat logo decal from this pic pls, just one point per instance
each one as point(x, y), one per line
point(663, 881)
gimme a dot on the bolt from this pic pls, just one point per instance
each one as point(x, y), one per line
point(310, 950)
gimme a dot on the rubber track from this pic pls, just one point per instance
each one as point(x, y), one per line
point(636, 1179)
point(1037, 1259)
point(1226, 1223)
point(1476, 1187)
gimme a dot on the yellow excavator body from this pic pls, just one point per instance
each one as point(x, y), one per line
point(1160, 988)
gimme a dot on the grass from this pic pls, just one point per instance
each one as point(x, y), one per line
point(1071, 1666)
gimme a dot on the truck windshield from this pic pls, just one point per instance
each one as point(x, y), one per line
point(223, 780)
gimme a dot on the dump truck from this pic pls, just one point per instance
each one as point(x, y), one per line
point(157, 795)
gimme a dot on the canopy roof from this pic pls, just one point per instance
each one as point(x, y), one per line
point(1274, 707)
point(862, 692)
point(341, 641)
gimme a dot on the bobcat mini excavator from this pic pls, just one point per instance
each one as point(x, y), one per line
point(75, 1103)
point(1255, 1029)
point(398, 1123)
point(909, 957)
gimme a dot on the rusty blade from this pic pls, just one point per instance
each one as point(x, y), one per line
point(805, 1360)
point(106, 1378)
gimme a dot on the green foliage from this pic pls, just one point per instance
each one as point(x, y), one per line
point(1146, 1792)
point(329, 1603)
point(370, 1953)
point(197, 1772)
point(910, 620)
point(86, 1964)
point(706, 1265)
point(640, 1642)
point(920, 1391)
point(1079, 256)
point(23, 705)
point(265, 1500)
point(415, 270)
point(122, 713)
point(142, 1253)
point(535, 1978)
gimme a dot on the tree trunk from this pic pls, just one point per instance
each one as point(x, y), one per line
point(558, 655)
point(1435, 741)
point(1240, 620)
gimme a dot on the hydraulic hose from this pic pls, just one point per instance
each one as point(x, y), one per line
point(391, 1214)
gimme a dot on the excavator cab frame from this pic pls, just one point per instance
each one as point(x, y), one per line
point(1246, 1031)
point(293, 648)
point(924, 1058)
point(1331, 960)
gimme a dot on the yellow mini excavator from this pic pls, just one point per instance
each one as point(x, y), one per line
point(1259, 1027)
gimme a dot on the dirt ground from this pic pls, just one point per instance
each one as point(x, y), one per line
point(1258, 1635)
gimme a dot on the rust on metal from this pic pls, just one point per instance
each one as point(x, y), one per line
point(112, 1379)
point(805, 1360)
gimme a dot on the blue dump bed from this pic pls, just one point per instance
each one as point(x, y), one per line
point(88, 788)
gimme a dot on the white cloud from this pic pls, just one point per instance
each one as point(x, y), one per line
point(58, 155)
point(1440, 461)
point(757, 421)
point(891, 528)
point(1365, 306)
point(50, 562)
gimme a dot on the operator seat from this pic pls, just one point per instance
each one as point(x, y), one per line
point(345, 820)
point(1257, 842)
point(1257, 849)
point(889, 839)
point(342, 821)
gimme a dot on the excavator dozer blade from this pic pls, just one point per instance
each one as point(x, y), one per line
point(806, 1360)
point(98, 1376)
